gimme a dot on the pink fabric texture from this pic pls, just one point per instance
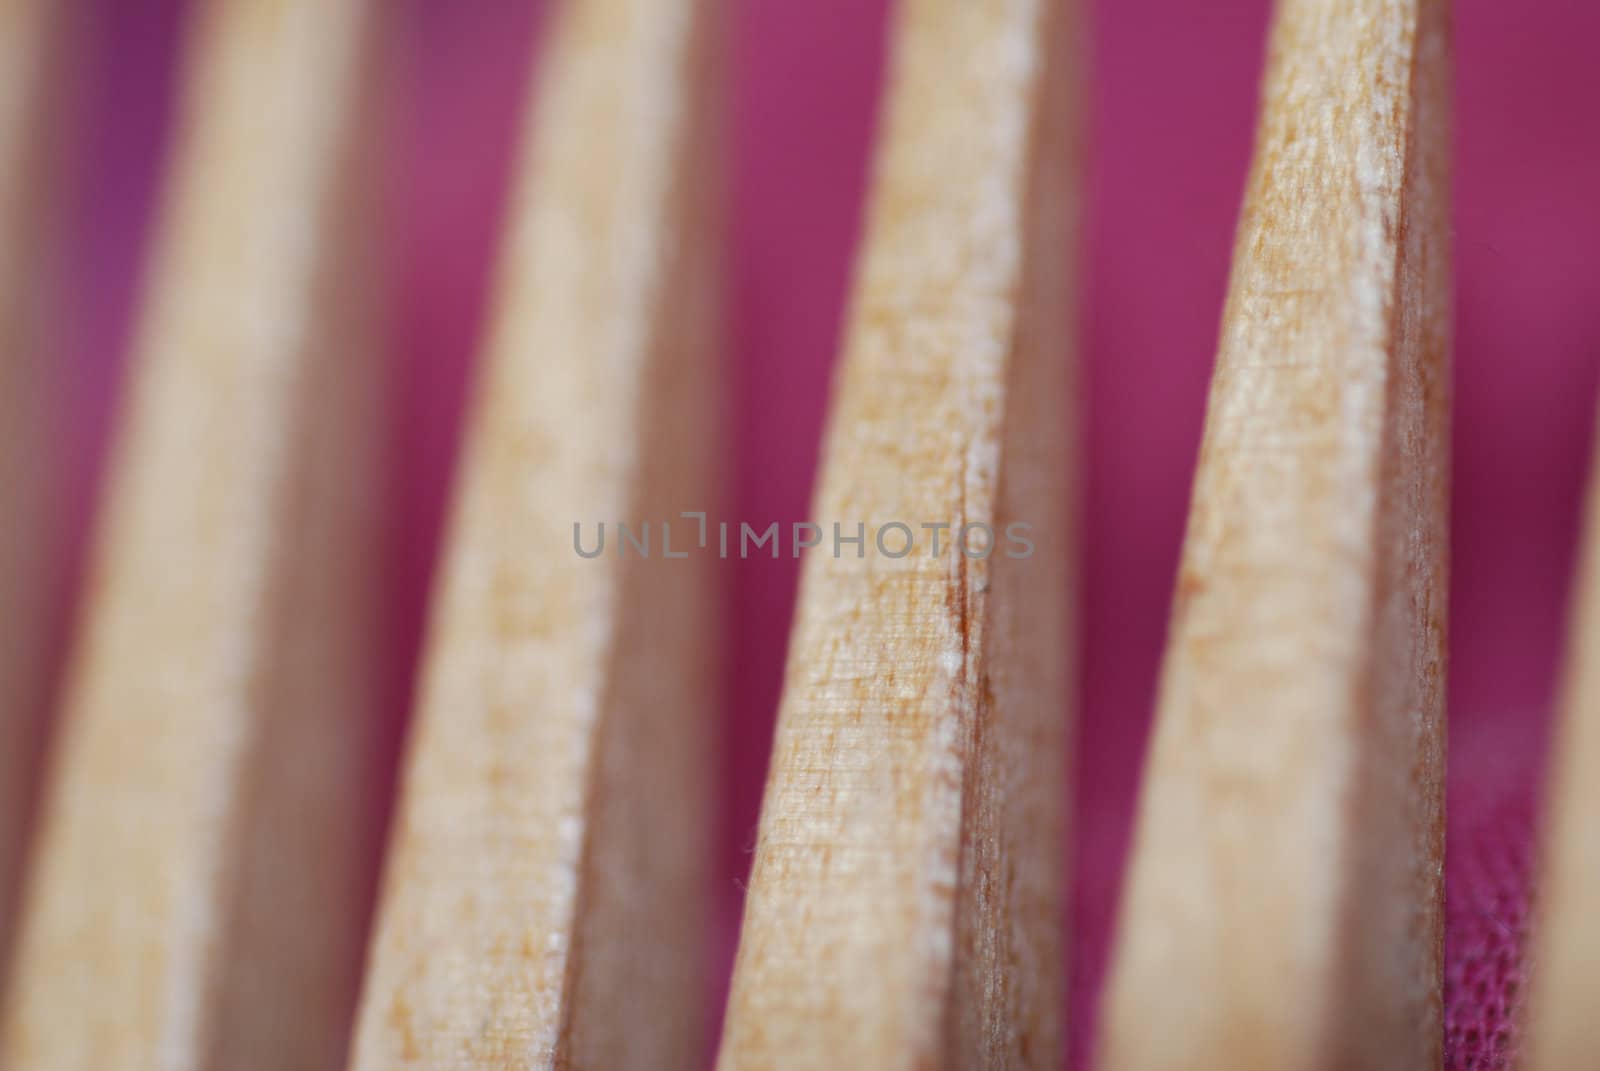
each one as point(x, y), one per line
point(1170, 127)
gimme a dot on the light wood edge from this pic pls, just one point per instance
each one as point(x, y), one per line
point(39, 45)
point(1284, 897)
point(545, 898)
point(1561, 1031)
point(905, 905)
point(202, 879)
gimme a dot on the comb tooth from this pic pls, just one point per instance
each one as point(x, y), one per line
point(34, 40)
point(1284, 900)
point(1561, 1031)
point(202, 870)
point(905, 902)
point(545, 898)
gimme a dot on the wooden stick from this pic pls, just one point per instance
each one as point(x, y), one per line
point(905, 903)
point(202, 878)
point(34, 38)
point(1285, 892)
point(1562, 1032)
point(545, 901)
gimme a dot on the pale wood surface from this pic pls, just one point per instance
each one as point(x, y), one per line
point(199, 893)
point(1563, 1029)
point(35, 36)
point(1284, 901)
point(545, 900)
point(904, 907)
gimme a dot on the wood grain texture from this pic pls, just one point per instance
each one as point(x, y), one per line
point(35, 38)
point(904, 908)
point(1284, 901)
point(201, 883)
point(1563, 1030)
point(545, 901)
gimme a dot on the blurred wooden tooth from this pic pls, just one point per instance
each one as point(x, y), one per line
point(1284, 901)
point(36, 37)
point(1562, 1030)
point(203, 870)
point(545, 902)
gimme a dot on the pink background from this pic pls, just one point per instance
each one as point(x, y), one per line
point(1174, 86)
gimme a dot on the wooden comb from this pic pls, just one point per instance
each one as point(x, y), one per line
point(205, 858)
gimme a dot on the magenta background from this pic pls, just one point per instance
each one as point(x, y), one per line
point(1174, 85)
